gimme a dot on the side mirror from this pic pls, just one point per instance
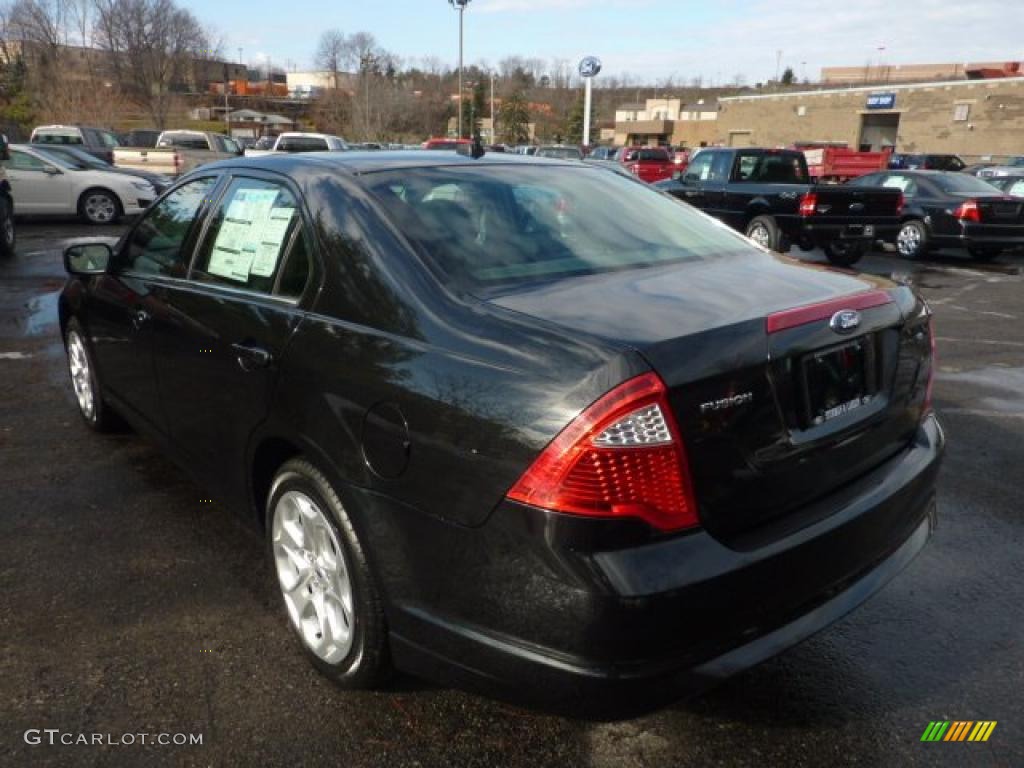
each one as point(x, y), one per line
point(5, 147)
point(87, 259)
point(52, 170)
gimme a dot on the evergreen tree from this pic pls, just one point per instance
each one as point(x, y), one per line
point(515, 119)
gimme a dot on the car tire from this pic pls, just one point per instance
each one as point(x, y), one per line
point(983, 254)
point(330, 596)
point(842, 254)
point(100, 206)
point(764, 231)
point(86, 383)
point(912, 239)
point(8, 237)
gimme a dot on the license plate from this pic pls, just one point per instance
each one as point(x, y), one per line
point(860, 230)
point(836, 381)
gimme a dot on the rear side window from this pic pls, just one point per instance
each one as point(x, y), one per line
point(249, 236)
point(1016, 188)
point(156, 245)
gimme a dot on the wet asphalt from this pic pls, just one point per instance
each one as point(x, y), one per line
point(129, 605)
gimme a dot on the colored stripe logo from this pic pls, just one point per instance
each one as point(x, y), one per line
point(959, 730)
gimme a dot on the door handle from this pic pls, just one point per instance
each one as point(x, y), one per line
point(251, 357)
point(140, 318)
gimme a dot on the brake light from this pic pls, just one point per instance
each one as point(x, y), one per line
point(809, 204)
point(635, 169)
point(968, 211)
point(621, 457)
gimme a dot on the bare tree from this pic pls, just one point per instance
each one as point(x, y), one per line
point(151, 44)
point(332, 53)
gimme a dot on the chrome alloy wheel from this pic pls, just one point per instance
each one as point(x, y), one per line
point(908, 241)
point(313, 576)
point(760, 235)
point(100, 208)
point(81, 375)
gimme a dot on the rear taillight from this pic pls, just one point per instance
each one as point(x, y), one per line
point(968, 211)
point(621, 457)
point(809, 204)
point(634, 168)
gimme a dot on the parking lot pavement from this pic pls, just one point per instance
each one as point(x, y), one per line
point(129, 605)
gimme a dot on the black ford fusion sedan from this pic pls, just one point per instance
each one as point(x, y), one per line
point(511, 421)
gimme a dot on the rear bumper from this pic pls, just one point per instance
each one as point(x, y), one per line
point(821, 234)
point(517, 609)
point(1002, 236)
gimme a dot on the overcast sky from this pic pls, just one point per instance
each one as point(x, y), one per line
point(649, 39)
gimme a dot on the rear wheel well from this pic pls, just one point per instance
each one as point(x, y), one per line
point(268, 458)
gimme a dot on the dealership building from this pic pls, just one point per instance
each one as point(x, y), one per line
point(971, 118)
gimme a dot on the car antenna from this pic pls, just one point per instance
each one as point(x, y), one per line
point(474, 149)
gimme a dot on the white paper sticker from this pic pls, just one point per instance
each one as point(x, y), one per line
point(271, 241)
point(232, 265)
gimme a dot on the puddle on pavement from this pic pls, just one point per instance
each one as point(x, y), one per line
point(1008, 381)
point(35, 317)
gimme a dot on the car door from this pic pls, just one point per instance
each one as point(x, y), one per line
point(38, 186)
point(123, 304)
point(697, 175)
point(218, 344)
point(715, 197)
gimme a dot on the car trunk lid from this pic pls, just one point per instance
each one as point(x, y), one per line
point(776, 408)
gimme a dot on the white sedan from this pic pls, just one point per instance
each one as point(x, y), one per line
point(44, 183)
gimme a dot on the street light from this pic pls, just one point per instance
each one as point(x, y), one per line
point(460, 6)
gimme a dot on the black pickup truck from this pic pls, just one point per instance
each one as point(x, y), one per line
point(767, 195)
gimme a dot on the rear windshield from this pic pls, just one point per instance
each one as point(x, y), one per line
point(302, 144)
point(561, 153)
point(771, 168)
point(961, 184)
point(653, 156)
point(492, 226)
point(57, 137)
point(185, 141)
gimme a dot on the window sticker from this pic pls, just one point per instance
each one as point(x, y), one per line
point(238, 242)
point(270, 241)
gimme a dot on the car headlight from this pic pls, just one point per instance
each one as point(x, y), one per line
point(144, 186)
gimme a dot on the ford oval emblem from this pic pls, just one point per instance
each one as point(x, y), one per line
point(845, 321)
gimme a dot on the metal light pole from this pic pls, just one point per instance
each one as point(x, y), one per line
point(460, 6)
point(494, 122)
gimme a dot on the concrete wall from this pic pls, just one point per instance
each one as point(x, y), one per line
point(995, 124)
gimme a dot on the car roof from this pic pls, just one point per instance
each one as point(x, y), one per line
point(358, 162)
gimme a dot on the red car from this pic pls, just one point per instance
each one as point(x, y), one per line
point(445, 143)
point(650, 164)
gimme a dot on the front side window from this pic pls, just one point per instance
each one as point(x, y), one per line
point(249, 236)
point(485, 227)
point(962, 184)
point(23, 161)
point(700, 168)
point(156, 245)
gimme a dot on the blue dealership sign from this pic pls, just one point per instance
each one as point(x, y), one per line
point(881, 101)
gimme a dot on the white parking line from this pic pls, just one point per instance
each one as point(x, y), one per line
point(990, 342)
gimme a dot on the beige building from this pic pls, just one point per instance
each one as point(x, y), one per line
point(972, 118)
point(666, 121)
